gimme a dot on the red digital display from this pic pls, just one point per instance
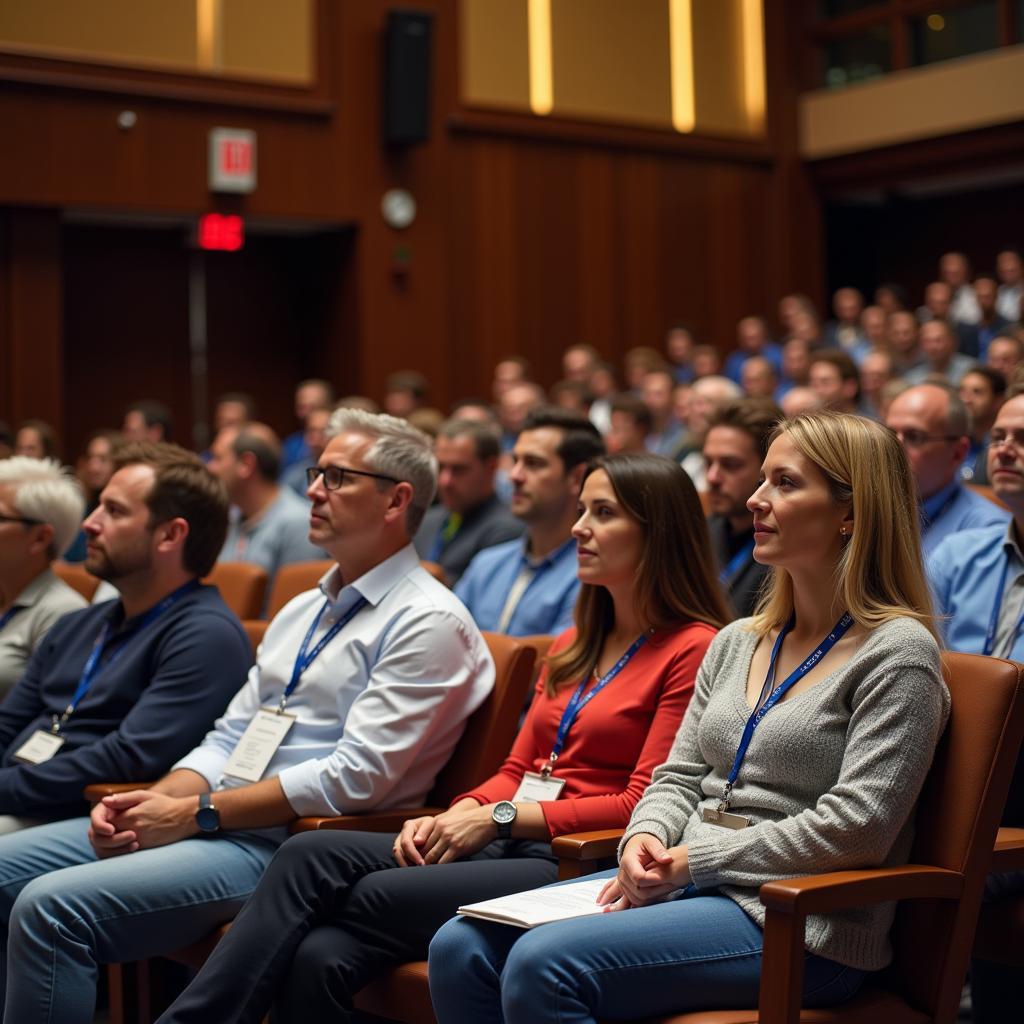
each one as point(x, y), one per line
point(222, 232)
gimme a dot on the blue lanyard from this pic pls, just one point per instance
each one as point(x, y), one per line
point(737, 561)
point(993, 623)
point(780, 691)
point(92, 664)
point(9, 614)
point(578, 702)
point(306, 657)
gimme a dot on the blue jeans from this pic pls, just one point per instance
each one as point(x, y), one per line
point(700, 951)
point(67, 912)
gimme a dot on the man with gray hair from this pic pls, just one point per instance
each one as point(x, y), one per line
point(41, 509)
point(321, 727)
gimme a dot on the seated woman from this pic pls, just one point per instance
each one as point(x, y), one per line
point(336, 908)
point(804, 749)
point(40, 511)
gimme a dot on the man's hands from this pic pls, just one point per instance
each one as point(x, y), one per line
point(647, 872)
point(457, 832)
point(140, 820)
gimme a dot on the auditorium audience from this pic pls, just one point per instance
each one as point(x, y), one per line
point(666, 432)
point(679, 345)
point(874, 323)
point(933, 425)
point(876, 370)
point(758, 377)
point(752, 339)
point(513, 408)
point(40, 509)
point(834, 378)
point(955, 271)
point(335, 908)
point(938, 305)
point(233, 409)
point(528, 586)
point(470, 516)
point(790, 308)
point(95, 467)
point(796, 364)
point(147, 420)
point(707, 361)
point(637, 363)
point(508, 372)
point(368, 723)
point(990, 322)
point(1010, 271)
point(798, 400)
point(309, 395)
point(834, 519)
point(941, 358)
point(157, 665)
point(603, 388)
point(578, 362)
point(36, 440)
point(707, 396)
point(631, 422)
point(892, 298)
point(844, 331)
point(902, 341)
point(404, 393)
point(982, 390)
point(1006, 354)
point(315, 437)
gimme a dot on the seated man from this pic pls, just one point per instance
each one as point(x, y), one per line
point(471, 516)
point(734, 448)
point(933, 426)
point(529, 586)
point(319, 728)
point(120, 690)
point(40, 510)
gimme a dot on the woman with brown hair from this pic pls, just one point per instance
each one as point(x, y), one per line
point(335, 908)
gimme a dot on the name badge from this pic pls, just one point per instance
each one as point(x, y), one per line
point(536, 787)
point(723, 819)
point(39, 747)
point(258, 745)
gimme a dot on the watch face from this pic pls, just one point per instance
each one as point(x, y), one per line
point(504, 812)
point(208, 819)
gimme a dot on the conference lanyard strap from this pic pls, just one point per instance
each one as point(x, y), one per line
point(993, 623)
point(578, 702)
point(736, 563)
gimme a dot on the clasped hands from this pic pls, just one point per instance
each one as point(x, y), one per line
point(647, 872)
point(139, 820)
point(460, 831)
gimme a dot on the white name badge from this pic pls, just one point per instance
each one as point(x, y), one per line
point(723, 819)
point(536, 787)
point(259, 743)
point(39, 747)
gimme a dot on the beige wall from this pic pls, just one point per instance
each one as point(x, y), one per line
point(973, 92)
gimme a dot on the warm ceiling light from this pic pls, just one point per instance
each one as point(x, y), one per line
point(541, 84)
point(680, 31)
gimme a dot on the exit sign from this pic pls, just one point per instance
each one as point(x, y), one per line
point(224, 232)
point(232, 165)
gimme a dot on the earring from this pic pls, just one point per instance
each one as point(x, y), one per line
point(842, 531)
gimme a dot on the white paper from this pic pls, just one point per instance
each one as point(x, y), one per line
point(39, 747)
point(541, 906)
point(259, 743)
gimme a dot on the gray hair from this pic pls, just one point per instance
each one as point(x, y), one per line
point(44, 490)
point(398, 450)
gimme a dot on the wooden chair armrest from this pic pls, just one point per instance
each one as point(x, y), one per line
point(1008, 854)
point(587, 845)
point(96, 791)
point(377, 821)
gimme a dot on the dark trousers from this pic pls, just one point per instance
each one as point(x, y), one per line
point(332, 912)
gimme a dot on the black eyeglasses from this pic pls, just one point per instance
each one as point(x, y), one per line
point(334, 476)
point(20, 519)
point(918, 438)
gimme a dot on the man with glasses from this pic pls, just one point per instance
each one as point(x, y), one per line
point(360, 692)
point(933, 425)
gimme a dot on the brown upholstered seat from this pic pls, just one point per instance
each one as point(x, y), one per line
point(292, 580)
point(242, 585)
point(77, 578)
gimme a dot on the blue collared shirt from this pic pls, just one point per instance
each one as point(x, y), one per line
point(964, 573)
point(547, 603)
point(954, 509)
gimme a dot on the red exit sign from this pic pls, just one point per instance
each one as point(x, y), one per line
point(232, 160)
point(222, 232)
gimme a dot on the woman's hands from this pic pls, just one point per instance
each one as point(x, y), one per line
point(438, 839)
point(647, 872)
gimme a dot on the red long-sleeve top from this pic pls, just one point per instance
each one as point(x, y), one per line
point(617, 739)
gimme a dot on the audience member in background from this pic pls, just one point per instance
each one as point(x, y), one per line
point(603, 388)
point(508, 372)
point(903, 344)
point(268, 524)
point(525, 587)
point(735, 446)
point(233, 409)
point(309, 395)
point(707, 396)
point(1005, 354)
point(475, 409)
point(807, 327)
point(369, 723)
point(316, 440)
point(834, 378)
point(637, 363)
point(428, 419)
point(752, 339)
point(858, 729)
point(892, 298)
point(95, 467)
point(578, 362)
point(147, 420)
point(631, 422)
point(844, 331)
point(941, 359)
point(955, 271)
point(679, 345)
point(40, 511)
point(982, 390)
point(875, 372)
point(796, 364)
point(990, 323)
point(798, 400)
point(1010, 270)
point(404, 392)
point(889, 393)
point(938, 305)
point(513, 408)
point(334, 910)
point(362, 402)
point(933, 426)
point(570, 395)
point(666, 433)
point(157, 665)
point(758, 378)
point(36, 440)
point(875, 325)
point(790, 308)
point(707, 361)
point(6, 441)
point(470, 516)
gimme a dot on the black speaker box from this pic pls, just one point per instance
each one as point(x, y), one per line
point(407, 59)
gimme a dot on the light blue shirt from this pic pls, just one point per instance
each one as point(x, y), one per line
point(964, 573)
point(547, 603)
point(380, 710)
point(956, 508)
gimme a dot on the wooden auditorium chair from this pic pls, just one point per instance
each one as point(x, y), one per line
point(77, 578)
point(292, 580)
point(242, 586)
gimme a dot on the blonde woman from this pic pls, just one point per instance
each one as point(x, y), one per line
point(810, 732)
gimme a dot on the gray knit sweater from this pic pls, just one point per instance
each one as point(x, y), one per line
point(829, 781)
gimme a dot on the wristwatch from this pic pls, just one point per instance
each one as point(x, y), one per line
point(207, 817)
point(503, 815)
